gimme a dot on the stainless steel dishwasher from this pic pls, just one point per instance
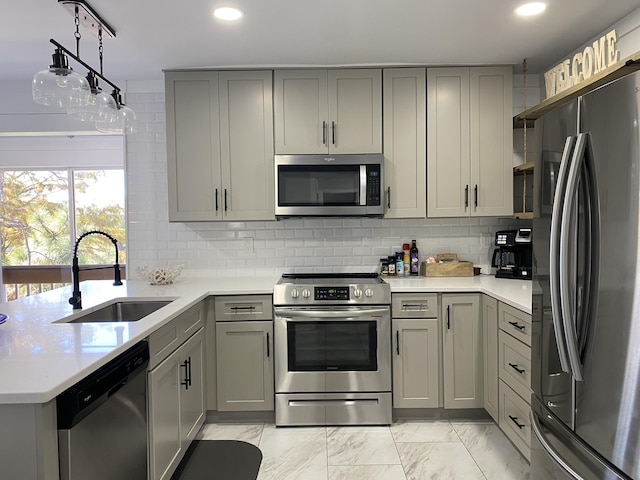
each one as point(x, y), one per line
point(102, 421)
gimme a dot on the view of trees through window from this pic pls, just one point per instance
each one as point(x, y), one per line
point(42, 212)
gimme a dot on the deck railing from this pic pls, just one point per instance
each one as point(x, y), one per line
point(22, 281)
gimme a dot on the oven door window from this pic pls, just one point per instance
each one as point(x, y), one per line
point(332, 346)
point(318, 185)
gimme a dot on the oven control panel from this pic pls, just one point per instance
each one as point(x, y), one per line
point(331, 293)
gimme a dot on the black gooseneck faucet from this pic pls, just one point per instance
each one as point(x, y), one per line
point(76, 299)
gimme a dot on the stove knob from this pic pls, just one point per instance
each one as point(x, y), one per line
point(368, 292)
point(357, 293)
point(294, 293)
point(306, 293)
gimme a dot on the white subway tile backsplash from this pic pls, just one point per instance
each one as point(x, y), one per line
point(320, 245)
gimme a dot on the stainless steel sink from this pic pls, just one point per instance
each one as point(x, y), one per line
point(120, 311)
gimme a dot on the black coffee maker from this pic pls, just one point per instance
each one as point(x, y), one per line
point(512, 258)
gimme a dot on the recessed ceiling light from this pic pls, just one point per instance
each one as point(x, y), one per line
point(228, 13)
point(533, 8)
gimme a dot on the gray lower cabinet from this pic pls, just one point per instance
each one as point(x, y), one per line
point(462, 348)
point(416, 350)
point(176, 405)
point(244, 353)
point(490, 350)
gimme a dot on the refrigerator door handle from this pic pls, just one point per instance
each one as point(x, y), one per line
point(569, 313)
point(537, 431)
point(554, 254)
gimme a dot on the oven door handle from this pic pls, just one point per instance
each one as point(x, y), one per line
point(294, 314)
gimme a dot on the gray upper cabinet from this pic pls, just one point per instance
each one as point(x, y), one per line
point(328, 111)
point(219, 127)
point(405, 142)
point(470, 142)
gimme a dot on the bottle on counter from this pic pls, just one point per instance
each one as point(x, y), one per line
point(384, 266)
point(399, 263)
point(392, 266)
point(414, 258)
point(406, 259)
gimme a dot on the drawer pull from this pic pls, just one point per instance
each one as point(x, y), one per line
point(515, 367)
point(413, 306)
point(249, 308)
point(515, 420)
point(517, 325)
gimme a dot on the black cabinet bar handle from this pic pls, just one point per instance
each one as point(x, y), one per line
point(333, 133)
point(388, 197)
point(268, 351)
point(515, 420)
point(242, 307)
point(448, 317)
point(475, 194)
point(189, 370)
point(185, 382)
point(324, 132)
point(466, 196)
point(216, 199)
point(397, 342)
point(515, 367)
point(517, 325)
point(225, 199)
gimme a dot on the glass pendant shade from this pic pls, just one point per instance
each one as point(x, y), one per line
point(59, 85)
point(129, 122)
point(125, 121)
point(100, 106)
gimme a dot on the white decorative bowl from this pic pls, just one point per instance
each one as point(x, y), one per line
point(161, 275)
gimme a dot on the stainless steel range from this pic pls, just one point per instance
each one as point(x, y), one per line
point(332, 349)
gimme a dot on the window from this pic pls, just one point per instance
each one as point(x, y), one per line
point(45, 208)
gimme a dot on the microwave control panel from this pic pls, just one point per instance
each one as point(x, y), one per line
point(373, 185)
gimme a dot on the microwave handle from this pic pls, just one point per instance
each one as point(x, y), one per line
point(363, 185)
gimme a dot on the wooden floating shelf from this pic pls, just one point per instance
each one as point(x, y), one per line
point(620, 69)
point(525, 167)
point(523, 215)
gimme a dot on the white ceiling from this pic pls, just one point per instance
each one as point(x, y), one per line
point(153, 35)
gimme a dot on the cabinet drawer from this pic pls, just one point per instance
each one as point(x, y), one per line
point(514, 419)
point(514, 364)
point(414, 305)
point(515, 322)
point(170, 336)
point(243, 307)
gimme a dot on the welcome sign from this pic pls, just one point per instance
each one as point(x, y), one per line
point(592, 60)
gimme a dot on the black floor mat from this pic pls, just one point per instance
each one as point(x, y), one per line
point(219, 459)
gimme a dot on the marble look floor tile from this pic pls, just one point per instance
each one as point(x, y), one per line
point(361, 447)
point(249, 433)
point(366, 472)
point(495, 455)
point(293, 453)
point(438, 461)
point(424, 431)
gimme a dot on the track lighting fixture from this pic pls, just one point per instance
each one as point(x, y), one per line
point(60, 86)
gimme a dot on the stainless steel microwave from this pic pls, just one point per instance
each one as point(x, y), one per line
point(329, 185)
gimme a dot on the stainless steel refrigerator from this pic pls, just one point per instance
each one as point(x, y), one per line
point(585, 406)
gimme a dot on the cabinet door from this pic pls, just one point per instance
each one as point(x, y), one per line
point(300, 111)
point(245, 365)
point(490, 349)
point(405, 146)
point(463, 369)
point(355, 111)
point(193, 146)
point(192, 410)
point(415, 363)
point(165, 447)
point(491, 141)
point(448, 189)
point(246, 145)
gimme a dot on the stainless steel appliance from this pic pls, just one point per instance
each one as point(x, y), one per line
point(586, 304)
point(332, 349)
point(102, 421)
point(329, 185)
point(512, 258)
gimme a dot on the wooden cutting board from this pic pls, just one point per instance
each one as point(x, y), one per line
point(447, 265)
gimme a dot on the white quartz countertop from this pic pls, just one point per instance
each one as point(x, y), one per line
point(41, 357)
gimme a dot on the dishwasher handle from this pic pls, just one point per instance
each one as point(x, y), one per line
point(78, 401)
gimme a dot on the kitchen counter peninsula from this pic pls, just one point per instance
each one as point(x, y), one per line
point(40, 358)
